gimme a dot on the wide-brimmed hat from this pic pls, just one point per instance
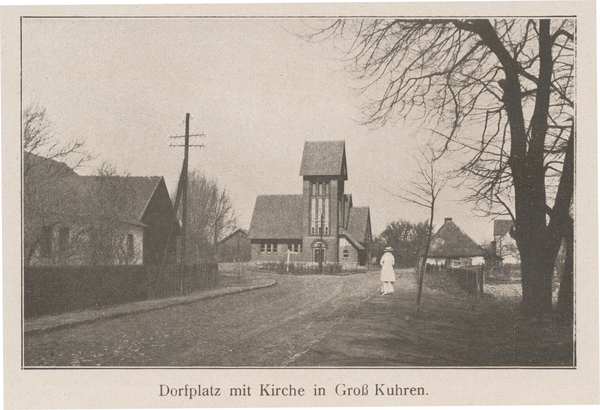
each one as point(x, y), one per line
point(388, 249)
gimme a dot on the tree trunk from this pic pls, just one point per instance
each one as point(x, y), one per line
point(564, 307)
point(423, 265)
point(536, 277)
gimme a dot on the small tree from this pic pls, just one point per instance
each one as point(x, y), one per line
point(424, 191)
point(210, 218)
point(110, 212)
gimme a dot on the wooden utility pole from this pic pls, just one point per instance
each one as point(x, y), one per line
point(184, 175)
point(182, 187)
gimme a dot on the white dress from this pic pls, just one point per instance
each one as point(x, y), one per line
point(387, 268)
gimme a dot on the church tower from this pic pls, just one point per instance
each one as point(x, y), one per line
point(324, 204)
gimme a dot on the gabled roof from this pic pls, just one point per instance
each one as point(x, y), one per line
point(240, 230)
point(351, 238)
point(358, 223)
point(451, 242)
point(90, 198)
point(324, 158)
point(277, 217)
point(502, 226)
point(35, 166)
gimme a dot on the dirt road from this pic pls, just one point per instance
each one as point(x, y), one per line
point(266, 327)
point(313, 321)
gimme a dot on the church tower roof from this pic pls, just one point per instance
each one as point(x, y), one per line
point(324, 158)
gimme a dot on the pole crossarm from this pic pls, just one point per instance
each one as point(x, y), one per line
point(191, 135)
point(189, 145)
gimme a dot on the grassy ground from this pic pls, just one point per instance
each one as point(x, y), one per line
point(451, 329)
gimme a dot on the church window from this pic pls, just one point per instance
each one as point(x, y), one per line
point(319, 208)
point(294, 247)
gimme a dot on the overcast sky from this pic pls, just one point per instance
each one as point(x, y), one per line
point(253, 87)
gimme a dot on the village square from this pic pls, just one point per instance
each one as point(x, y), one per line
point(253, 226)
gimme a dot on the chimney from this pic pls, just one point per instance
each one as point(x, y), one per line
point(447, 219)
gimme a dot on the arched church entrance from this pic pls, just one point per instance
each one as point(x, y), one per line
point(319, 251)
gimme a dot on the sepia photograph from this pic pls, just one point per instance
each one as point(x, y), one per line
point(300, 191)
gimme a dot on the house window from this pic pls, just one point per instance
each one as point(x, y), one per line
point(346, 253)
point(274, 247)
point(263, 247)
point(46, 242)
point(130, 245)
point(63, 244)
point(63, 239)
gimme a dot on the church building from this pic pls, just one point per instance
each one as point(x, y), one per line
point(321, 224)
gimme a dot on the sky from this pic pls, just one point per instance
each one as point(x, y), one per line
point(253, 87)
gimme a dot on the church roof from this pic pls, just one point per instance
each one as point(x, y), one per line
point(352, 239)
point(451, 242)
point(324, 158)
point(358, 223)
point(277, 217)
point(502, 226)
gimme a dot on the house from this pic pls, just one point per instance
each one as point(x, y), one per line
point(321, 224)
point(235, 247)
point(454, 248)
point(506, 246)
point(71, 219)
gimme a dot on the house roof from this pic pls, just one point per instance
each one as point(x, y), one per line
point(89, 198)
point(502, 226)
point(358, 223)
point(35, 166)
point(277, 217)
point(451, 242)
point(324, 158)
point(225, 239)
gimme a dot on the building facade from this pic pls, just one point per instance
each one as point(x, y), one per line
point(71, 219)
point(452, 247)
point(235, 247)
point(321, 225)
point(506, 245)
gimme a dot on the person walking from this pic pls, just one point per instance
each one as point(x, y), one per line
point(388, 277)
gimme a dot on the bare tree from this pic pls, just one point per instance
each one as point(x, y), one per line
point(500, 91)
point(424, 191)
point(210, 217)
point(113, 236)
point(39, 140)
point(47, 198)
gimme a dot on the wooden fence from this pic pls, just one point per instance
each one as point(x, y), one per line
point(469, 279)
point(472, 278)
point(59, 289)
